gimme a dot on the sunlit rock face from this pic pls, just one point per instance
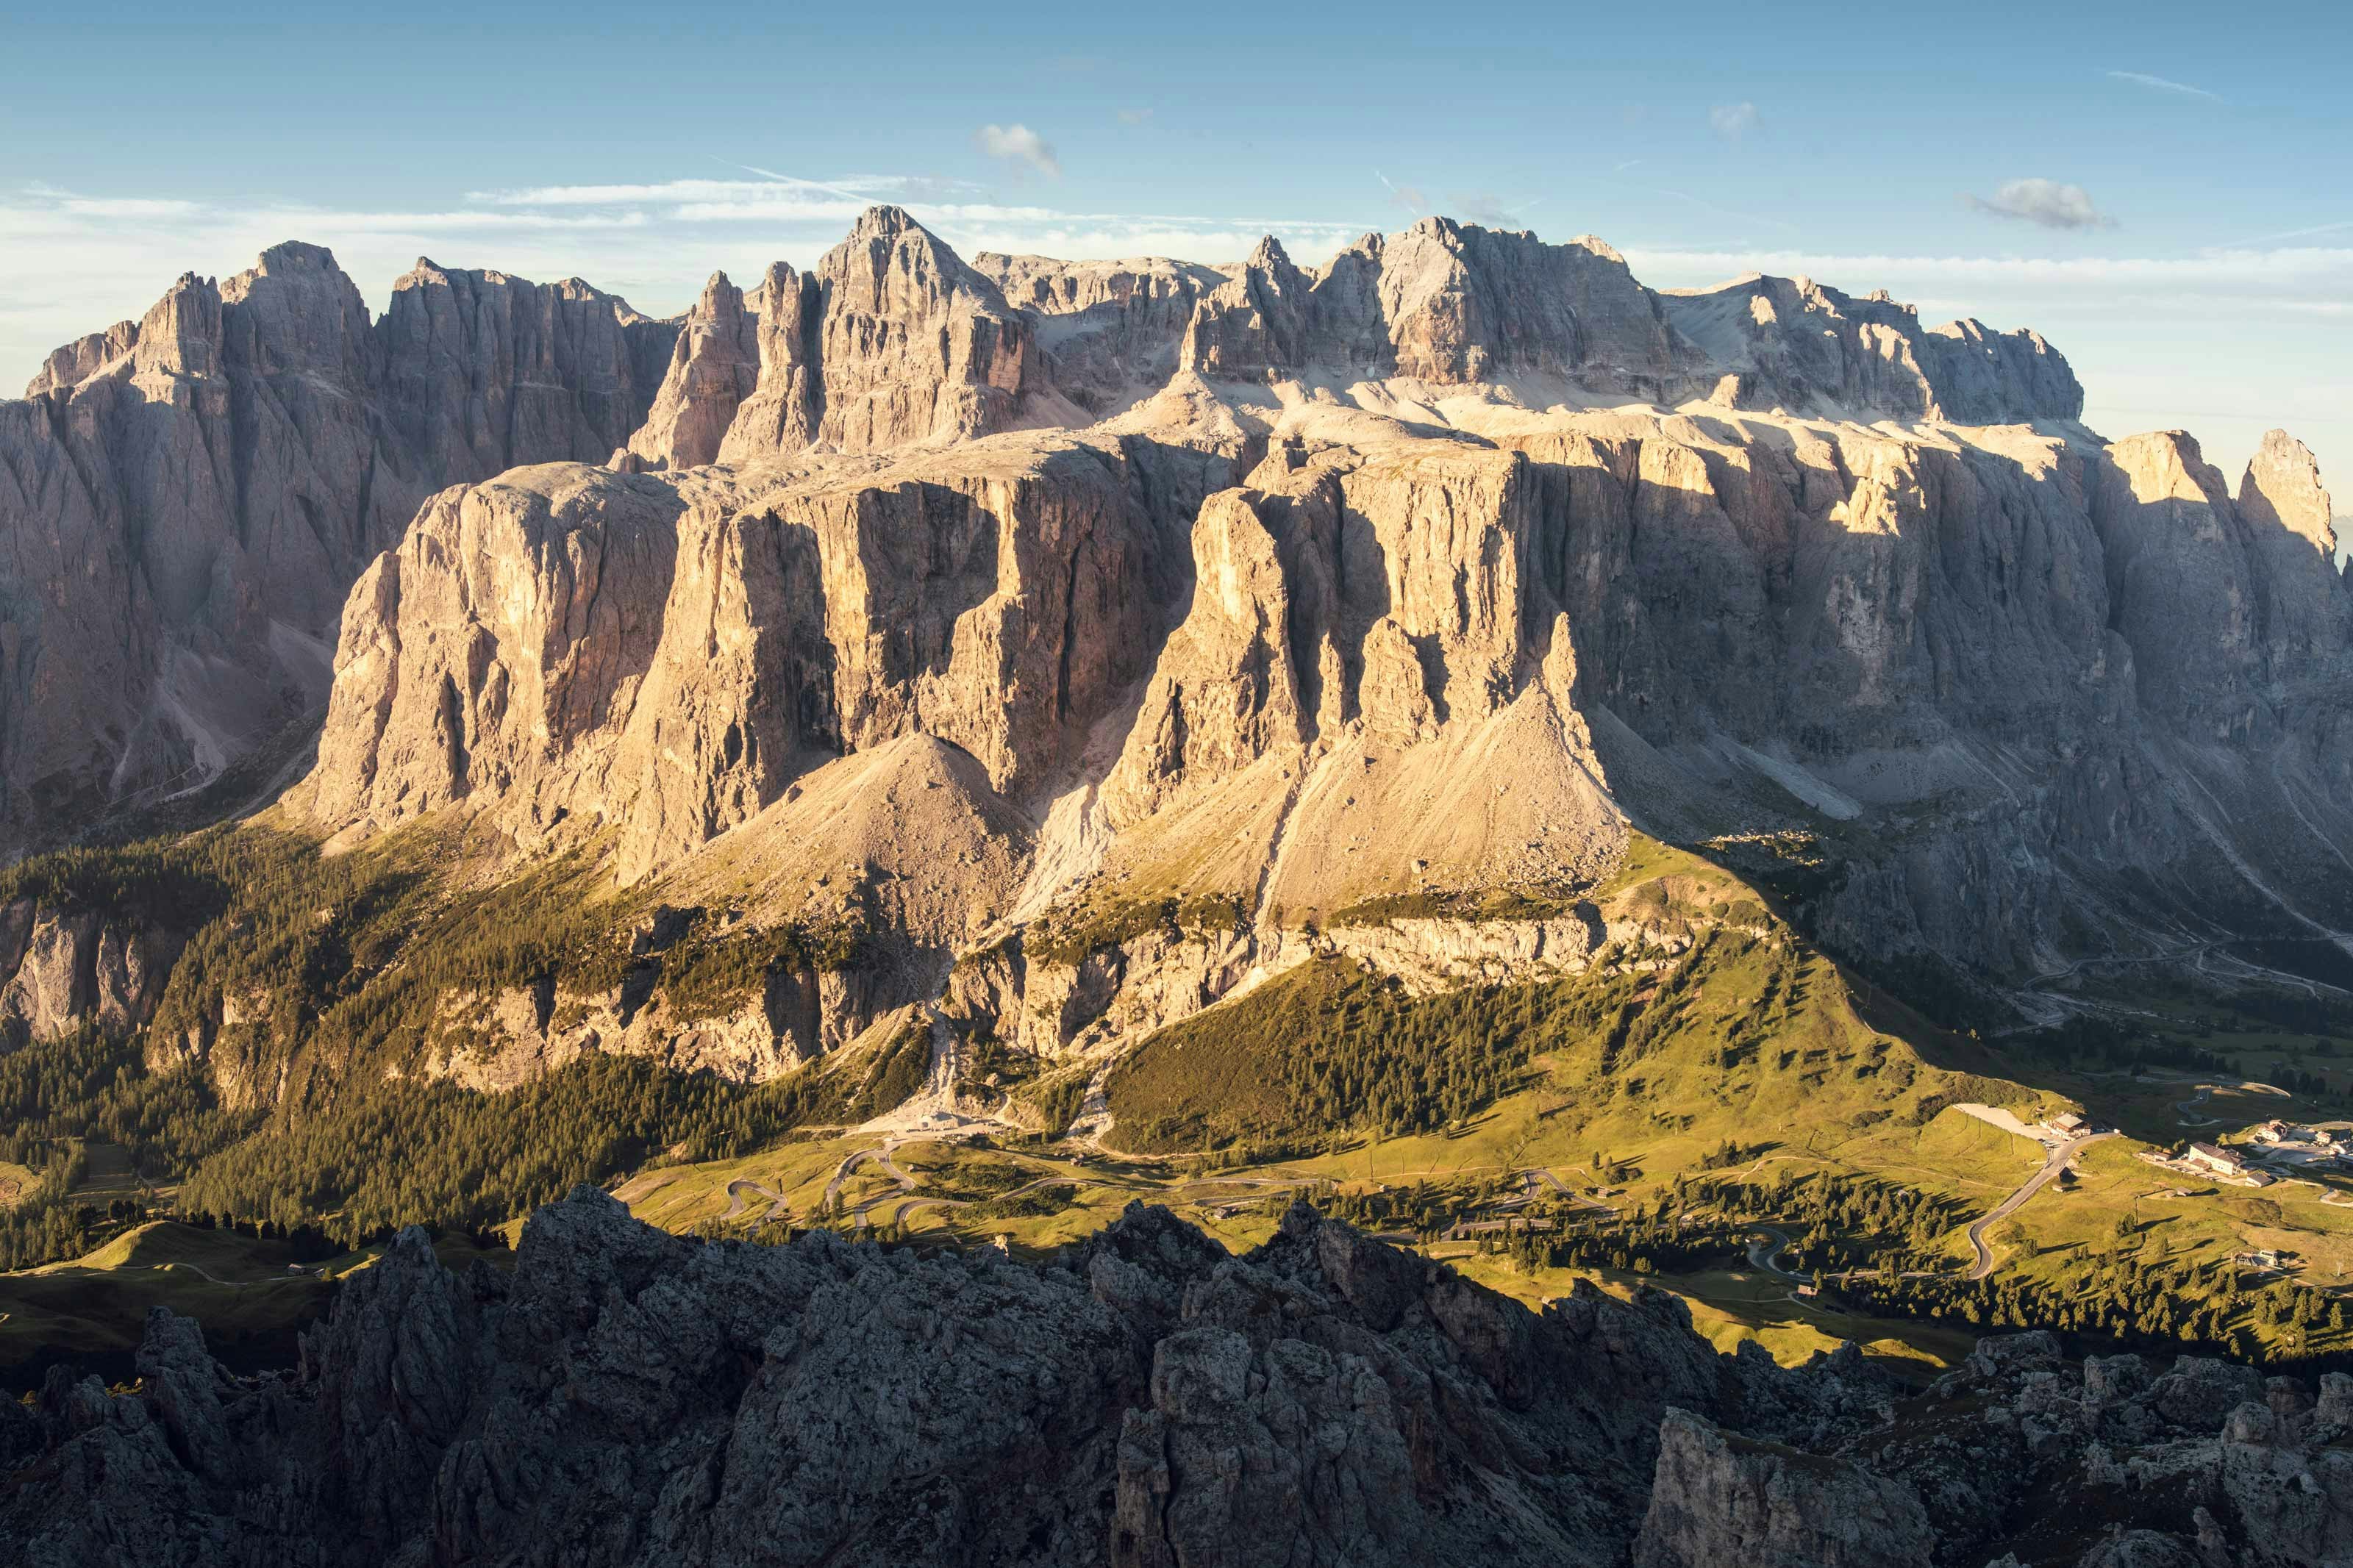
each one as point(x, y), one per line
point(1242, 581)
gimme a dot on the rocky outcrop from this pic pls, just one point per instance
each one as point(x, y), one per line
point(1719, 1497)
point(63, 969)
point(917, 345)
point(1793, 344)
point(626, 1395)
point(892, 341)
point(1455, 304)
point(1109, 331)
point(492, 650)
point(714, 367)
point(483, 371)
point(1443, 303)
point(579, 644)
point(185, 502)
point(781, 412)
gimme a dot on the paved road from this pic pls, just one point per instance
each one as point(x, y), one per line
point(197, 1269)
point(777, 1209)
point(1530, 1180)
point(1761, 1256)
point(908, 1186)
point(2010, 1204)
point(881, 1158)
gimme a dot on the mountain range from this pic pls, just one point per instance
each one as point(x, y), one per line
point(1152, 713)
point(966, 592)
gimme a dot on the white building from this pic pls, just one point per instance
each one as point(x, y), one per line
point(2214, 1157)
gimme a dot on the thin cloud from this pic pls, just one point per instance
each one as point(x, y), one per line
point(1708, 207)
point(1734, 120)
point(2049, 203)
point(2162, 84)
point(2295, 233)
point(138, 208)
point(2267, 279)
point(1407, 197)
point(1133, 116)
point(1018, 142)
point(1487, 207)
point(1628, 164)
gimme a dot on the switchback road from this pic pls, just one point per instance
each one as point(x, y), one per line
point(2056, 1163)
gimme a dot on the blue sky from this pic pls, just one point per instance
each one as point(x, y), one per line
point(2166, 192)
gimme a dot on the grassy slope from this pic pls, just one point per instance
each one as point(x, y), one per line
point(16, 1180)
point(1762, 1043)
point(94, 1308)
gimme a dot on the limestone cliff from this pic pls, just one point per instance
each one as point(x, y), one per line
point(1420, 575)
point(185, 502)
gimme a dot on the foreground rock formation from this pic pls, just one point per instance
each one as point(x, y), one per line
point(627, 1396)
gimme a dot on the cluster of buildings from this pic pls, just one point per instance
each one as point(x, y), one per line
point(2287, 1144)
point(2279, 1145)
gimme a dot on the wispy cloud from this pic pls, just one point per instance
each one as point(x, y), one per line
point(2163, 84)
point(2049, 203)
point(1018, 143)
point(2306, 232)
point(1707, 206)
point(110, 206)
point(1407, 197)
point(1734, 120)
point(2242, 278)
point(1487, 207)
point(1133, 116)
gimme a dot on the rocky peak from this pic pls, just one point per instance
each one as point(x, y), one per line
point(231, 463)
point(781, 413)
point(1446, 303)
point(181, 333)
point(915, 345)
point(1794, 343)
point(1465, 303)
point(2282, 489)
point(296, 311)
point(484, 370)
point(714, 368)
point(1256, 324)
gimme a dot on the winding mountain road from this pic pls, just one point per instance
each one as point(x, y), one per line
point(778, 1208)
point(2052, 1166)
point(1768, 1258)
